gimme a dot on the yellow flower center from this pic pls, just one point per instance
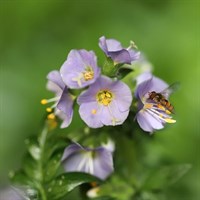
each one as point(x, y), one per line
point(104, 97)
point(88, 74)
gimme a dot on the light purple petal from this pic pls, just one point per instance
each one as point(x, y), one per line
point(122, 56)
point(143, 77)
point(113, 49)
point(90, 113)
point(73, 148)
point(103, 164)
point(143, 123)
point(134, 54)
point(12, 193)
point(72, 158)
point(75, 65)
point(65, 105)
point(97, 161)
point(153, 84)
point(108, 45)
point(55, 77)
point(111, 116)
point(123, 95)
point(88, 57)
point(51, 86)
point(143, 89)
point(148, 122)
point(113, 45)
point(158, 85)
point(73, 163)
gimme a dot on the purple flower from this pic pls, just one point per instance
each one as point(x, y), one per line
point(16, 193)
point(106, 102)
point(80, 69)
point(63, 102)
point(96, 161)
point(152, 114)
point(113, 49)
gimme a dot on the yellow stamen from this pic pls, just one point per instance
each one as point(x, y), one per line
point(171, 121)
point(104, 97)
point(49, 109)
point(88, 75)
point(51, 116)
point(44, 101)
point(94, 111)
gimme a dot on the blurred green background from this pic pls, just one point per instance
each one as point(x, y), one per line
point(36, 37)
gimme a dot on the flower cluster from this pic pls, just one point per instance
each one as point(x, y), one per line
point(105, 100)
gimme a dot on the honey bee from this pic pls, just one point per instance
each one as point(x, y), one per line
point(161, 99)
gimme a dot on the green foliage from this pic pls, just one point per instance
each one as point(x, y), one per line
point(66, 182)
point(109, 68)
point(123, 72)
point(174, 56)
point(41, 167)
point(165, 176)
point(117, 188)
point(103, 198)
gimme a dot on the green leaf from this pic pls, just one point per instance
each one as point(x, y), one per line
point(33, 148)
point(32, 168)
point(124, 71)
point(20, 178)
point(114, 188)
point(52, 166)
point(28, 186)
point(109, 68)
point(66, 182)
point(53, 145)
point(165, 176)
point(149, 196)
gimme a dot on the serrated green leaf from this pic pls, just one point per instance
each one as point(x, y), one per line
point(165, 176)
point(52, 166)
point(66, 182)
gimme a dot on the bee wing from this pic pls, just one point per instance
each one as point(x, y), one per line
point(171, 89)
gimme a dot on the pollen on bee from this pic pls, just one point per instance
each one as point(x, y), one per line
point(94, 111)
point(168, 112)
point(161, 107)
point(44, 101)
point(148, 105)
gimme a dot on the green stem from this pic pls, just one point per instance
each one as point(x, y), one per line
point(42, 193)
point(42, 140)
